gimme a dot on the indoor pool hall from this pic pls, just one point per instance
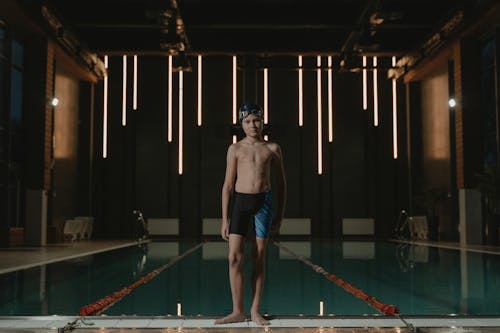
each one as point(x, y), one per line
point(322, 166)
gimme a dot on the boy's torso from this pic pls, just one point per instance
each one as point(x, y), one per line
point(253, 167)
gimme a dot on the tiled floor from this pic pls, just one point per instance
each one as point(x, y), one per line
point(198, 325)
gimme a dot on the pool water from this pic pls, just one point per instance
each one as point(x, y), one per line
point(420, 280)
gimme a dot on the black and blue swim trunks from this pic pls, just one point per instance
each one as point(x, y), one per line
point(254, 206)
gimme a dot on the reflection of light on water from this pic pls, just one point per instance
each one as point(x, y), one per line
point(179, 309)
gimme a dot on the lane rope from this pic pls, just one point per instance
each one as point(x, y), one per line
point(390, 310)
point(97, 307)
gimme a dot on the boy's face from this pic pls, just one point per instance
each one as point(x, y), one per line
point(252, 125)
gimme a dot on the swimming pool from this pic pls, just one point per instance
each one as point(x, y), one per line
point(420, 280)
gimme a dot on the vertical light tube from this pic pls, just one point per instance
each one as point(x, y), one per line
point(330, 101)
point(105, 112)
point(199, 89)
point(375, 92)
point(301, 100)
point(320, 130)
point(394, 114)
point(124, 92)
point(365, 89)
point(134, 102)
point(266, 100)
point(181, 114)
point(266, 110)
point(169, 108)
point(235, 63)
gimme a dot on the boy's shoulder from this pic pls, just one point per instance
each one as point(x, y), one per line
point(234, 147)
point(272, 145)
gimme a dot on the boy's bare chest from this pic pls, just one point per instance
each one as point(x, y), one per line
point(257, 155)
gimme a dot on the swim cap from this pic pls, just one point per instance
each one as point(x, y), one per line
point(248, 109)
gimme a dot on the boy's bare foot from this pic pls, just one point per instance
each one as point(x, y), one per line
point(259, 320)
point(231, 318)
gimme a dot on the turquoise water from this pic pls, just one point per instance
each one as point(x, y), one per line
point(419, 280)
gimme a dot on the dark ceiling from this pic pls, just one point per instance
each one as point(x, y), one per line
point(313, 26)
point(259, 26)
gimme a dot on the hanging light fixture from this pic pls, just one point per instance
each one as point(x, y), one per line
point(235, 68)
point(105, 112)
point(394, 114)
point(320, 130)
point(134, 101)
point(266, 104)
point(330, 100)
point(365, 90)
point(169, 106)
point(199, 89)
point(301, 101)
point(375, 92)
point(181, 116)
point(124, 92)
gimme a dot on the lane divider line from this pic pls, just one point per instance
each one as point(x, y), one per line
point(106, 302)
point(390, 310)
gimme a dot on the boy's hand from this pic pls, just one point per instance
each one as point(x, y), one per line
point(224, 230)
point(275, 227)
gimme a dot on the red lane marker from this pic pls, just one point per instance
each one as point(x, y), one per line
point(106, 302)
point(390, 310)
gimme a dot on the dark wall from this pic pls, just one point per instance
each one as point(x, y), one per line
point(360, 177)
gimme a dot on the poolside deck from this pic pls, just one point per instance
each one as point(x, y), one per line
point(287, 324)
point(17, 258)
point(13, 259)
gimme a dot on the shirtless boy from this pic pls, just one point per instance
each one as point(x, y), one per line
point(248, 170)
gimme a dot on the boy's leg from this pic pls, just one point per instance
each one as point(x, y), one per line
point(259, 251)
point(235, 257)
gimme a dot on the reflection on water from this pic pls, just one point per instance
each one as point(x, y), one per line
point(420, 280)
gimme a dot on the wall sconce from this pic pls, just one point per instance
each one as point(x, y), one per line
point(54, 101)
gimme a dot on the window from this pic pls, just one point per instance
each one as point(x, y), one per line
point(16, 87)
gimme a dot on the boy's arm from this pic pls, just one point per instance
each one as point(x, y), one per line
point(227, 189)
point(281, 183)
